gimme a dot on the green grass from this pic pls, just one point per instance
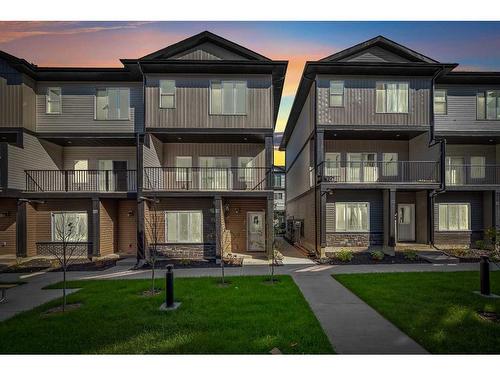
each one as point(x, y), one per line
point(248, 316)
point(436, 309)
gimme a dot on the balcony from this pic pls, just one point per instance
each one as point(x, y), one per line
point(379, 172)
point(81, 180)
point(472, 174)
point(207, 179)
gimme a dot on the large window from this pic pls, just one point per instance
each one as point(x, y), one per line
point(488, 105)
point(336, 93)
point(392, 97)
point(54, 100)
point(167, 93)
point(228, 97)
point(440, 102)
point(454, 216)
point(477, 166)
point(113, 104)
point(69, 226)
point(184, 226)
point(352, 217)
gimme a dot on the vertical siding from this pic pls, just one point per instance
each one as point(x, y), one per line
point(192, 103)
point(360, 104)
point(375, 54)
point(208, 51)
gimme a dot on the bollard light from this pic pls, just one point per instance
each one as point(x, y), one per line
point(484, 273)
point(169, 286)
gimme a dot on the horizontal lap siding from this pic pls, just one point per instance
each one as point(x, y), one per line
point(8, 209)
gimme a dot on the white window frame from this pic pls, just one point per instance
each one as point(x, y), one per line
point(447, 228)
point(484, 114)
point(336, 94)
point(346, 229)
point(441, 99)
point(177, 212)
point(234, 82)
point(477, 170)
point(52, 224)
point(161, 94)
point(180, 175)
point(47, 101)
point(107, 90)
point(390, 168)
point(385, 83)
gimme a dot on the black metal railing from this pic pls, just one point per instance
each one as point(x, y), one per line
point(472, 174)
point(207, 178)
point(81, 180)
point(417, 172)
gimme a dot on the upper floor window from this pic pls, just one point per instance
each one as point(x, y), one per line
point(113, 104)
point(488, 105)
point(336, 93)
point(167, 93)
point(228, 97)
point(440, 102)
point(54, 100)
point(279, 180)
point(392, 97)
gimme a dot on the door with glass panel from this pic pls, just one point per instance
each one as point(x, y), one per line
point(255, 231)
point(406, 222)
point(362, 167)
point(215, 173)
point(455, 170)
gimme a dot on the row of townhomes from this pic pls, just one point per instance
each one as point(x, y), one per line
point(386, 147)
point(186, 132)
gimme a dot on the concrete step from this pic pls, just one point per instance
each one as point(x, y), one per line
point(437, 257)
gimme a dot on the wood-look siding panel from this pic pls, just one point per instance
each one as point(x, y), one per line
point(127, 227)
point(78, 109)
point(8, 226)
point(461, 112)
point(94, 154)
point(360, 103)
point(192, 103)
point(108, 224)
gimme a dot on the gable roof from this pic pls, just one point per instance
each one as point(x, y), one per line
point(382, 43)
point(202, 38)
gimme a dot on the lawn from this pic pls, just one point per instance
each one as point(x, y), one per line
point(248, 316)
point(436, 309)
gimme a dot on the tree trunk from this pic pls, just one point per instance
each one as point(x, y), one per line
point(64, 289)
point(152, 278)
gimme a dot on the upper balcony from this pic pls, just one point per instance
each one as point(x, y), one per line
point(466, 175)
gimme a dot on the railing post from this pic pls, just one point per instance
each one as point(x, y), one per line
point(187, 180)
point(66, 178)
point(107, 179)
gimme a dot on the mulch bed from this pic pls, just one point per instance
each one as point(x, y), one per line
point(37, 265)
point(466, 255)
point(365, 258)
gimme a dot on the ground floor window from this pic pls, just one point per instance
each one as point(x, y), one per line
point(184, 226)
point(454, 216)
point(352, 217)
point(69, 226)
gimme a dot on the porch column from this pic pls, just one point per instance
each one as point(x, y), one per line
point(95, 229)
point(269, 225)
point(430, 216)
point(320, 153)
point(269, 147)
point(496, 209)
point(140, 229)
point(218, 226)
point(21, 229)
point(322, 217)
point(392, 218)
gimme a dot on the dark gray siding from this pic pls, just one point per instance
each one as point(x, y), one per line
point(192, 103)
point(78, 109)
point(359, 102)
point(466, 151)
point(461, 111)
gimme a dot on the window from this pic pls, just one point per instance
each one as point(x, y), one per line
point(477, 167)
point(54, 100)
point(390, 167)
point(279, 180)
point(69, 226)
point(113, 104)
point(279, 195)
point(80, 168)
point(332, 164)
point(167, 93)
point(336, 93)
point(453, 216)
point(183, 170)
point(228, 97)
point(245, 169)
point(488, 105)
point(352, 217)
point(184, 226)
point(440, 102)
point(392, 97)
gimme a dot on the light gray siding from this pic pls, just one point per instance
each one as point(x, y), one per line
point(360, 103)
point(375, 54)
point(461, 111)
point(94, 154)
point(153, 152)
point(78, 109)
point(208, 51)
point(192, 103)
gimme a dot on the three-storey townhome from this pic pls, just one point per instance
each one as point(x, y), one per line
point(364, 168)
point(185, 132)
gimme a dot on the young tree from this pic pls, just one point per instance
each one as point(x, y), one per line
point(153, 222)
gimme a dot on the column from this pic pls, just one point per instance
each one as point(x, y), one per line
point(392, 218)
point(94, 228)
point(269, 225)
point(218, 226)
point(269, 147)
point(21, 229)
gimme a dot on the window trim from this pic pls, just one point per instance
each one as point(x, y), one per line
point(222, 106)
point(174, 94)
point(47, 100)
point(107, 88)
point(330, 93)
point(392, 113)
point(445, 102)
point(52, 232)
point(190, 225)
point(447, 217)
point(485, 113)
point(350, 230)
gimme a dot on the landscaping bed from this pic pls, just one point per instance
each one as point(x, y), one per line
point(359, 258)
point(44, 264)
point(469, 255)
point(190, 263)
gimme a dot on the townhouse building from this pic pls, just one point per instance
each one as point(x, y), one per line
point(183, 135)
point(386, 147)
point(279, 200)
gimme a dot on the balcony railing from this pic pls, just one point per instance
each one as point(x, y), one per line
point(472, 174)
point(207, 178)
point(81, 180)
point(398, 172)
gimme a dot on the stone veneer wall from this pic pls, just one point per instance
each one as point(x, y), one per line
point(188, 251)
point(354, 239)
point(463, 239)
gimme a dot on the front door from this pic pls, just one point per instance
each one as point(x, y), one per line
point(256, 240)
point(406, 222)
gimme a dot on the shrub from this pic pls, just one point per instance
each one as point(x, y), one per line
point(344, 255)
point(185, 262)
point(410, 255)
point(377, 255)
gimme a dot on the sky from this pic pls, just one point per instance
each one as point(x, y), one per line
point(474, 45)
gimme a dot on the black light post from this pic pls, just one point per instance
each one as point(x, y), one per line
point(169, 287)
point(484, 271)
